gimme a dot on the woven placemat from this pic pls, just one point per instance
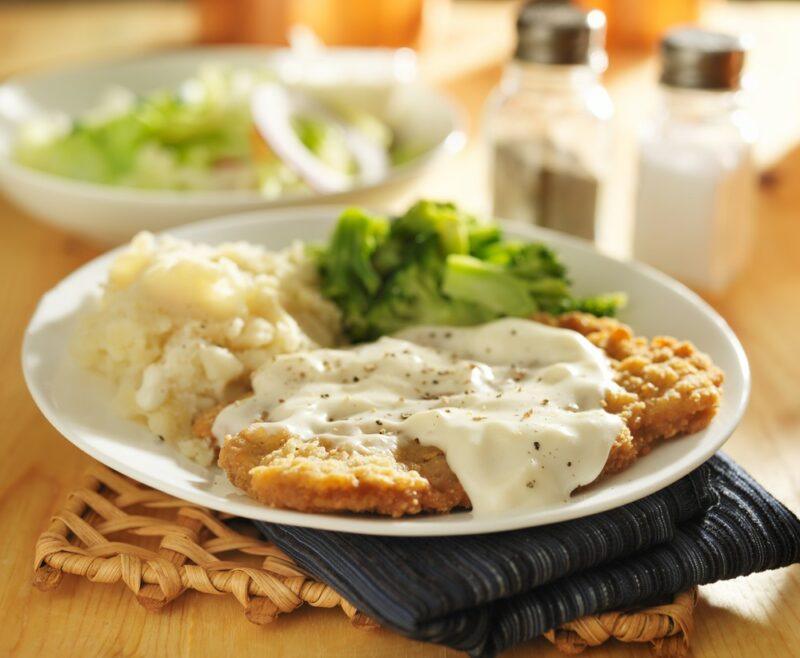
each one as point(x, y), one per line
point(114, 529)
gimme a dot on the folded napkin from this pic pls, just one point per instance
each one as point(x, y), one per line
point(485, 593)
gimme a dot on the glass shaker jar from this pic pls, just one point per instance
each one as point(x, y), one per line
point(696, 178)
point(548, 122)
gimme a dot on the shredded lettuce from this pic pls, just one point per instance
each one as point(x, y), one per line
point(169, 140)
point(198, 137)
point(436, 264)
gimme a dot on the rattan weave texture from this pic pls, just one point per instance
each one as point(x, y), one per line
point(114, 529)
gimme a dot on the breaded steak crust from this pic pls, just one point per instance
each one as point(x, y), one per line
point(668, 389)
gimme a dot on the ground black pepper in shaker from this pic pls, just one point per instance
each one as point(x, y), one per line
point(548, 122)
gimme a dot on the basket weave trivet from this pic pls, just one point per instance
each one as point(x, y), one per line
point(112, 529)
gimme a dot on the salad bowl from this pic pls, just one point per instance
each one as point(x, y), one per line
point(381, 82)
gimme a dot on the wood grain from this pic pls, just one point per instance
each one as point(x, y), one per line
point(756, 616)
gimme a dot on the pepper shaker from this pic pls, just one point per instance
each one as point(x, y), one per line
point(547, 123)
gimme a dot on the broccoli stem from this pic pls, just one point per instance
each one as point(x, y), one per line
point(468, 279)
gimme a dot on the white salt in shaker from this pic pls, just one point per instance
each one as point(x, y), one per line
point(547, 123)
point(696, 178)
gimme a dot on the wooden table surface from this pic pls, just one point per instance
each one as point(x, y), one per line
point(755, 616)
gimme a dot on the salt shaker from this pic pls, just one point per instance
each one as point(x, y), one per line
point(547, 123)
point(696, 179)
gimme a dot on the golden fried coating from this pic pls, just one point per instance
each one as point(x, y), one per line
point(671, 389)
point(281, 470)
point(668, 389)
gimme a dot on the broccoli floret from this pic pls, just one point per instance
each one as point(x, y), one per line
point(528, 260)
point(348, 260)
point(439, 265)
point(348, 276)
point(442, 222)
point(500, 288)
point(601, 305)
point(413, 295)
point(482, 236)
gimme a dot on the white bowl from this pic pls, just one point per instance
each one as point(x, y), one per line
point(377, 78)
point(79, 404)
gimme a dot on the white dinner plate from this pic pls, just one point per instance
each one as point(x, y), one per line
point(379, 80)
point(79, 404)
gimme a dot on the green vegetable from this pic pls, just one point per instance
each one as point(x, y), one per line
point(159, 141)
point(326, 141)
point(436, 264)
point(200, 137)
point(493, 286)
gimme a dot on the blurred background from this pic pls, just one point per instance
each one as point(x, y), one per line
point(463, 48)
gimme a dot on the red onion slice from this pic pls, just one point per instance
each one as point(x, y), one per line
point(273, 107)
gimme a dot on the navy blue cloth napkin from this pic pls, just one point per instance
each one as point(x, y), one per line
point(485, 593)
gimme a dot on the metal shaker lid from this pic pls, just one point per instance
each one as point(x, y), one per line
point(559, 33)
point(692, 58)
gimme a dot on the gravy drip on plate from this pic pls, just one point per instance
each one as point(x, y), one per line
point(516, 406)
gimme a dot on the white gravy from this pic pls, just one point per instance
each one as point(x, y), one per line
point(516, 406)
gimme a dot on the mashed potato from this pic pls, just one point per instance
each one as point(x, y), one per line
point(179, 327)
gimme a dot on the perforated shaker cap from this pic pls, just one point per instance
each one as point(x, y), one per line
point(559, 33)
point(692, 58)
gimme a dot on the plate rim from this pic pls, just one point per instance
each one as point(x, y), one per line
point(404, 526)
